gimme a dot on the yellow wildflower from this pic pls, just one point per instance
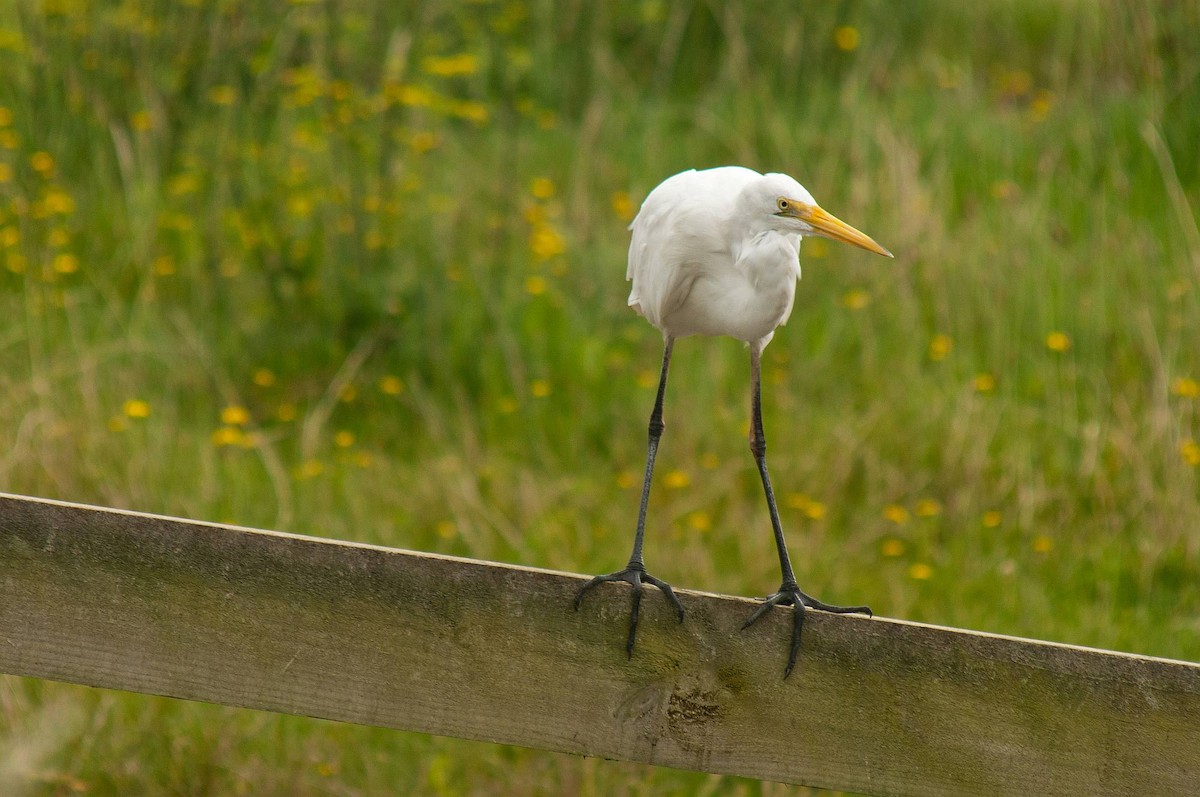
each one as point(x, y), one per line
point(424, 141)
point(535, 285)
point(677, 479)
point(343, 439)
point(846, 38)
point(235, 415)
point(391, 385)
point(300, 205)
point(136, 408)
point(1058, 341)
point(1039, 108)
point(892, 547)
point(984, 383)
point(413, 96)
point(622, 205)
point(42, 163)
point(1185, 387)
point(815, 510)
point(451, 65)
point(545, 242)
point(856, 299)
point(927, 507)
point(141, 121)
point(222, 95)
point(470, 110)
point(1190, 451)
point(991, 519)
point(939, 347)
point(227, 436)
point(65, 263)
point(542, 188)
point(896, 513)
point(310, 469)
point(920, 571)
point(539, 388)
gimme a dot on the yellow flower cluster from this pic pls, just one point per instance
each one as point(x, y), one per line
point(231, 433)
point(940, 347)
point(1190, 451)
point(545, 241)
point(677, 479)
point(924, 507)
point(846, 38)
point(856, 299)
point(809, 507)
point(1185, 387)
point(1058, 342)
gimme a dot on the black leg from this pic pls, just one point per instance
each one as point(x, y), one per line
point(635, 572)
point(789, 593)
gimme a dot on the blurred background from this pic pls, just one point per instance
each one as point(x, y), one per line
point(355, 269)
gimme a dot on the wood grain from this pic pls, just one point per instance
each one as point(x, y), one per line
point(493, 652)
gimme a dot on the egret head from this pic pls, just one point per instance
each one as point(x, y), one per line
point(784, 205)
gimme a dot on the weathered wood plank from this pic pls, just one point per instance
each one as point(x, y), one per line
point(493, 652)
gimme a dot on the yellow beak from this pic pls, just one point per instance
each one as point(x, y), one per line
point(829, 226)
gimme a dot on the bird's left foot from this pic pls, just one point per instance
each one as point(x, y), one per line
point(789, 594)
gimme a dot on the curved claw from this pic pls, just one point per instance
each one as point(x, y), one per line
point(791, 595)
point(666, 590)
point(634, 576)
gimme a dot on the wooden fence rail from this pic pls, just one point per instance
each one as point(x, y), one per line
point(493, 652)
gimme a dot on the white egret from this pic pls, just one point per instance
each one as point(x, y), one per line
point(716, 252)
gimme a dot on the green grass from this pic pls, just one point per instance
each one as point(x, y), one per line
point(315, 213)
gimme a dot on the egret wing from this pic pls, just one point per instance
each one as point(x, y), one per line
point(680, 230)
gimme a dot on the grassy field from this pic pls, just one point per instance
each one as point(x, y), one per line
point(354, 269)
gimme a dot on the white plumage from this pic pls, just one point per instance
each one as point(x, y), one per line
point(717, 252)
point(713, 254)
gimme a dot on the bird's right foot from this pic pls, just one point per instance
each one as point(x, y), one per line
point(634, 574)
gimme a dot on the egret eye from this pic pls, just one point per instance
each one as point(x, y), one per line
point(783, 203)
